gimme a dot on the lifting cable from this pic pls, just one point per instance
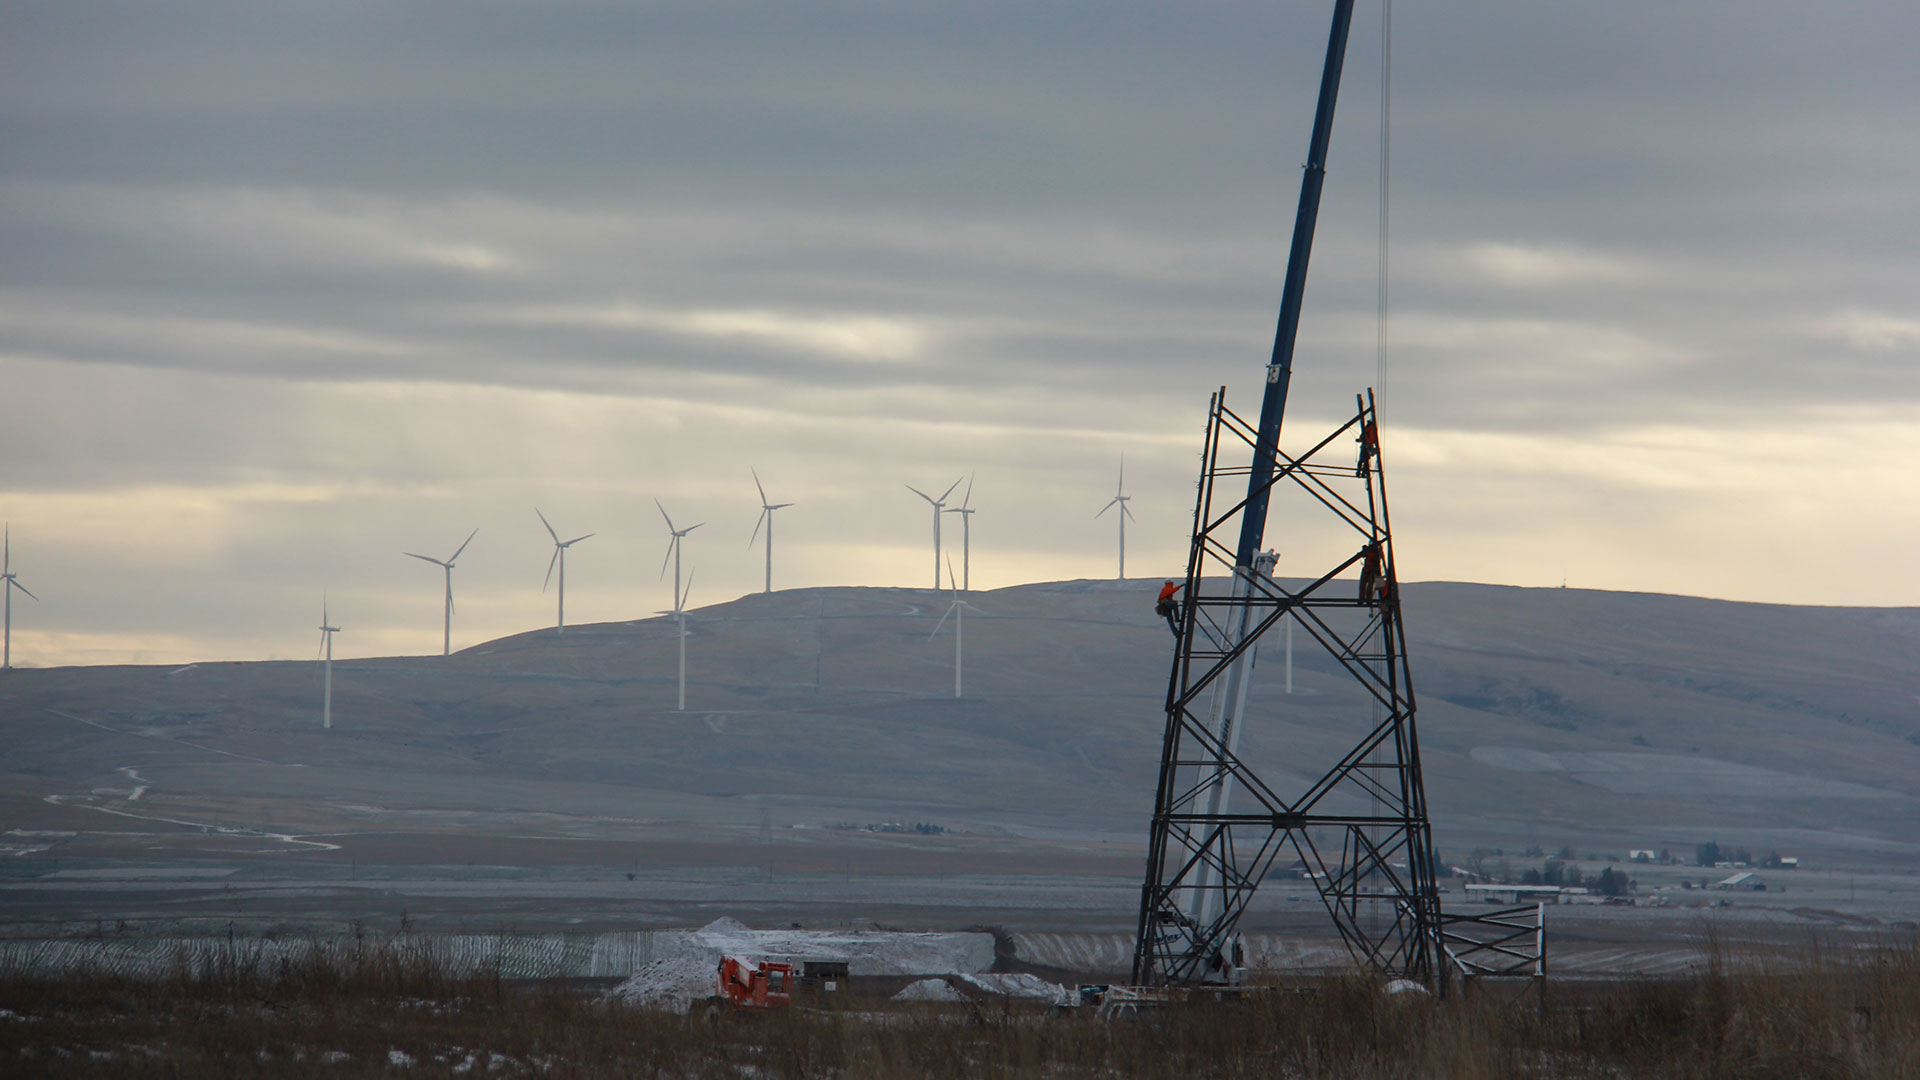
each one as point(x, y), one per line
point(1386, 160)
point(1375, 916)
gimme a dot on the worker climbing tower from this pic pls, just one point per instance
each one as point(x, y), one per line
point(1331, 792)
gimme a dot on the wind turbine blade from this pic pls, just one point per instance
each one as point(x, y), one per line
point(15, 582)
point(950, 487)
point(550, 565)
point(1121, 487)
point(1115, 501)
point(920, 493)
point(663, 513)
point(1129, 513)
point(548, 524)
point(686, 592)
point(756, 484)
point(967, 499)
point(952, 583)
point(463, 547)
point(6, 560)
point(764, 511)
point(575, 540)
point(320, 648)
point(942, 622)
point(671, 544)
point(425, 558)
point(692, 527)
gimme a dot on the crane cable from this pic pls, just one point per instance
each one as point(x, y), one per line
point(1386, 159)
point(1374, 913)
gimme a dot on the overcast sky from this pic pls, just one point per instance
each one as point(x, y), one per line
point(291, 288)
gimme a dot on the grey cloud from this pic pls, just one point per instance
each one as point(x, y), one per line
point(342, 249)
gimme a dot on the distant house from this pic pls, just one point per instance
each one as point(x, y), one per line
point(1789, 862)
point(1745, 879)
point(1642, 855)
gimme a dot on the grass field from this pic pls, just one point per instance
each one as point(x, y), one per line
point(384, 1008)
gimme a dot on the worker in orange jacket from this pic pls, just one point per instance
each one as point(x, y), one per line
point(1369, 446)
point(1167, 608)
point(1370, 581)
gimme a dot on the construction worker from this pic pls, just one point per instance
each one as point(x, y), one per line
point(1369, 446)
point(1166, 608)
point(1370, 572)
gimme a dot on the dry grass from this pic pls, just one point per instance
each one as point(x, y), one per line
point(374, 1008)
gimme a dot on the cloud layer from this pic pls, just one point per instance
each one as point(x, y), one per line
point(292, 288)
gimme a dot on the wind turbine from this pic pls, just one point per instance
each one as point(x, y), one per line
point(1120, 499)
point(766, 518)
point(11, 582)
point(560, 557)
point(327, 630)
point(966, 512)
point(673, 552)
point(938, 505)
point(446, 642)
point(957, 609)
point(679, 614)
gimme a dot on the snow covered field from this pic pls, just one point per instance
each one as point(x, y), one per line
point(533, 956)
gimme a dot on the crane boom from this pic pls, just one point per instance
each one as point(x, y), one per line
point(1273, 406)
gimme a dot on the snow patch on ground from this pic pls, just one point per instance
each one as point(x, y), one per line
point(1019, 985)
point(666, 984)
point(929, 990)
point(867, 952)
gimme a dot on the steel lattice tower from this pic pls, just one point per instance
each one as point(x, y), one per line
point(1358, 822)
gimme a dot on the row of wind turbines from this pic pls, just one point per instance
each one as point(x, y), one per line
point(678, 535)
point(682, 588)
point(966, 511)
point(557, 564)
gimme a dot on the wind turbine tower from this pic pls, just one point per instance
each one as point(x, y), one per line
point(327, 630)
point(957, 609)
point(679, 614)
point(560, 559)
point(965, 510)
point(446, 641)
point(938, 505)
point(766, 518)
point(673, 552)
point(11, 581)
point(1120, 499)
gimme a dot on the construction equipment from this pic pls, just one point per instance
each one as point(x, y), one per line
point(740, 983)
point(758, 986)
